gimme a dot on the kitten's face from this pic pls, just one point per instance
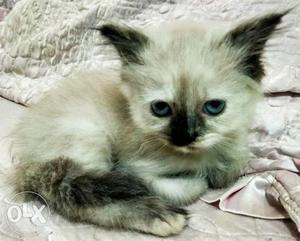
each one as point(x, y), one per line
point(192, 99)
point(191, 87)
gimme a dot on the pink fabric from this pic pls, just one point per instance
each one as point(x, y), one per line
point(285, 189)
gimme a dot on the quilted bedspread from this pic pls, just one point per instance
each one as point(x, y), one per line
point(42, 41)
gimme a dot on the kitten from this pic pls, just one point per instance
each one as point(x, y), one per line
point(126, 150)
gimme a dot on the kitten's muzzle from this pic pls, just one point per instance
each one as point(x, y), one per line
point(185, 141)
point(184, 131)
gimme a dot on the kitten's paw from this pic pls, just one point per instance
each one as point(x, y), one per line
point(168, 224)
point(162, 219)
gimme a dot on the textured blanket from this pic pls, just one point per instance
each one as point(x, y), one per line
point(43, 41)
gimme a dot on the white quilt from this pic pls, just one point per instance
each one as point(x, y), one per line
point(41, 41)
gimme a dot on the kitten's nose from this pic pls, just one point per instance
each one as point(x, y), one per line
point(184, 130)
point(192, 133)
point(185, 138)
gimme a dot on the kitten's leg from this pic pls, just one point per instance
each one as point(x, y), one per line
point(231, 161)
point(179, 190)
point(113, 199)
point(224, 175)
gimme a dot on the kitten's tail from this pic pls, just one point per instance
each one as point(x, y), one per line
point(113, 199)
point(62, 182)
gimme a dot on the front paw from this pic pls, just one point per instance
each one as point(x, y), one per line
point(163, 220)
point(168, 224)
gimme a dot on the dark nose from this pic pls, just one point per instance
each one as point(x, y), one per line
point(184, 139)
point(184, 130)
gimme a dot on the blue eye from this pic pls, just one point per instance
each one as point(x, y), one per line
point(161, 108)
point(214, 107)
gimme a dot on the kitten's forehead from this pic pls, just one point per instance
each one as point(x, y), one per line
point(181, 90)
point(187, 90)
point(187, 51)
point(189, 65)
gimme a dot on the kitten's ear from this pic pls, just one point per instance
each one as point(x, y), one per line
point(250, 38)
point(128, 42)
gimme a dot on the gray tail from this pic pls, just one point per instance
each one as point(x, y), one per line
point(61, 182)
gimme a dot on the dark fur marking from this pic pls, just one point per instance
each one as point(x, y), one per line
point(91, 189)
point(185, 174)
point(127, 41)
point(185, 125)
point(253, 36)
point(185, 128)
point(65, 182)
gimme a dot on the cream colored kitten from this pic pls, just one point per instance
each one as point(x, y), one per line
point(126, 149)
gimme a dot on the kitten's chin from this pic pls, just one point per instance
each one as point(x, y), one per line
point(190, 149)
